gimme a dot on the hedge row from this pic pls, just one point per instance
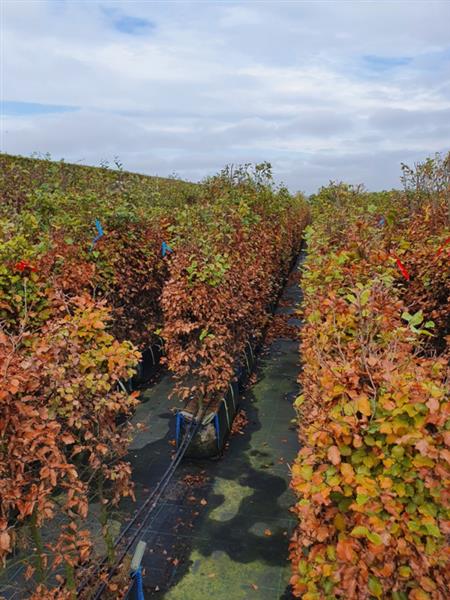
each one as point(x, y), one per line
point(372, 476)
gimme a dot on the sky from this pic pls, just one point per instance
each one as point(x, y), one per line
point(341, 91)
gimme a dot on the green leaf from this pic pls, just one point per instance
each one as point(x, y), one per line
point(359, 531)
point(302, 567)
point(433, 529)
point(299, 400)
point(428, 509)
point(375, 586)
point(416, 319)
point(306, 472)
point(361, 499)
point(374, 538)
point(399, 596)
point(342, 258)
point(364, 298)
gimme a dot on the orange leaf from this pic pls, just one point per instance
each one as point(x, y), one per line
point(433, 405)
point(363, 405)
point(386, 483)
point(347, 472)
point(344, 550)
point(334, 456)
point(5, 541)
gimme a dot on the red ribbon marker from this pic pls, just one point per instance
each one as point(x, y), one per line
point(23, 265)
point(441, 248)
point(402, 268)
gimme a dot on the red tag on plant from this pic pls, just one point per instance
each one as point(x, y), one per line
point(23, 265)
point(441, 248)
point(403, 270)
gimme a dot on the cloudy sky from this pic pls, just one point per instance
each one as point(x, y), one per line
point(323, 90)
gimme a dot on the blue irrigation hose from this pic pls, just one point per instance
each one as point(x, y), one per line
point(178, 422)
point(139, 584)
point(217, 428)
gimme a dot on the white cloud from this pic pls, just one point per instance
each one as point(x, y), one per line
point(323, 90)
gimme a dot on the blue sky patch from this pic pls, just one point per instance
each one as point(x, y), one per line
point(385, 63)
point(20, 109)
point(133, 25)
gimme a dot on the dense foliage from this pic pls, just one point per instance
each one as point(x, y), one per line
point(237, 250)
point(93, 265)
point(372, 476)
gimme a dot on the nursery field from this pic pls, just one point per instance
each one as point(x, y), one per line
point(101, 269)
point(97, 266)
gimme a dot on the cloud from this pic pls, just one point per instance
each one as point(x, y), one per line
point(322, 90)
point(413, 123)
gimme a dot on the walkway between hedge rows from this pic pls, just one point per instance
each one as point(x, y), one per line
point(223, 527)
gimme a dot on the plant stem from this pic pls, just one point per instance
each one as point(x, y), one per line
point(37, 539)
point(107, 536)
point(70, 580)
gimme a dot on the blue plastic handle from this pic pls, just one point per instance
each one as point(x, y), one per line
point(139, 584)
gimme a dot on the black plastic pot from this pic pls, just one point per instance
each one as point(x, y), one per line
point(146, 368)
point(216, 424)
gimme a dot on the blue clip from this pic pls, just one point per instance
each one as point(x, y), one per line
point(100, 233)
point(381, 221)
point(165, 248)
